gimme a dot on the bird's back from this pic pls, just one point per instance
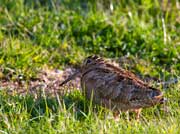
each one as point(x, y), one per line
point(114, 87)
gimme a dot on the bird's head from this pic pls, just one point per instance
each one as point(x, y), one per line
point(89, 61)
point(92, 61)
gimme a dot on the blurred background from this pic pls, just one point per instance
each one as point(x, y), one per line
point(145, 34)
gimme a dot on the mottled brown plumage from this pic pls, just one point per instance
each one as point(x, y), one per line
point(114, 87)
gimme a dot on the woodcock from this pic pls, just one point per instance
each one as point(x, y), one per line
point(115, 88)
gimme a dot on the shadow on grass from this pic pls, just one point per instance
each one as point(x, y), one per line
point(45, 105)
point(73, 103)
point(34, 107)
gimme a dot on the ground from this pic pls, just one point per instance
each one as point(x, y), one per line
point(42, 42)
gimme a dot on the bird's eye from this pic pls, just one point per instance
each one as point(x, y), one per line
point(88, 61)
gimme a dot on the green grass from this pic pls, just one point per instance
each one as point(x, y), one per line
point(24, 114)
point(55, 33)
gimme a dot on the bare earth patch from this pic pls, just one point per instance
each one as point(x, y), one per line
point(47, 80)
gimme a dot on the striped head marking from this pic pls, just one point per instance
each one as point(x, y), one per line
point(91, 60)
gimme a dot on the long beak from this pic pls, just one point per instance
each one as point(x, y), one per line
point(70, 78)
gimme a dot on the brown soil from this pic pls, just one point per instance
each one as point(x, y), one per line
point(47, 80)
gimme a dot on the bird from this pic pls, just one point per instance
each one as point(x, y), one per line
point(115, 88)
